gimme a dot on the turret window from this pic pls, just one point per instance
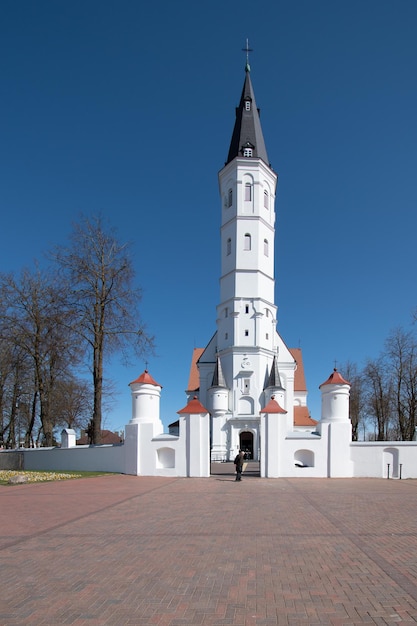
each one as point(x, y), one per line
point(266, 199)
point(246, 308)
point(246, 333)
point(230, 198)
point(247, 242)
point(247, 152)
point(247, 105)
point(266, 247)
point(248, 192)
point(229, 247)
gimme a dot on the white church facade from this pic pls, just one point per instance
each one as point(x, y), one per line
point(246, 362)
point(246, 388)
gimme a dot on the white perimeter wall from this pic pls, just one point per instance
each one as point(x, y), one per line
point(370, 459)
point(109, 458)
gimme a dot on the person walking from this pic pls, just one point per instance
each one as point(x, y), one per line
point(239, 464)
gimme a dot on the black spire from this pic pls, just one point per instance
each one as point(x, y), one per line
point(247, 138)
point(218, 377)
point(274, 379)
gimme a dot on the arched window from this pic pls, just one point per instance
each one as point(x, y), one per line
point(247, 242)
point(266, 199)
point(304, 458)
point(165, 458)
point(230, 198)
point(266, 247)
point(229, 246)
point(248, 191)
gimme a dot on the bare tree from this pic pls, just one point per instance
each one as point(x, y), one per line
point(379, 395)
point(6, 369)
point(99, 274)
point(38, 323)
point(401, 351)
point(356, 397)
point(6, 373)
point(72, 402)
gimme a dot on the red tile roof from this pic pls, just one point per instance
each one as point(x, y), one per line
point(335, 378)
point(194, 377)
point(146, 378)
point(193, 407)
point(107, 437)
point(302, 417)
point(273, 407)
point(299, 377)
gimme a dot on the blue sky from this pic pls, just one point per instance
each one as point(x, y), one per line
point(127, 108)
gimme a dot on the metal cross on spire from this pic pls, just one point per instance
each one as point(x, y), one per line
point(247, 50)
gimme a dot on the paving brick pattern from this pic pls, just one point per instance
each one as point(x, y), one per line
point(172, 552)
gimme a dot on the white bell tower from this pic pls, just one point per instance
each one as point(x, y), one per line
point(246, 315)
point(246, 344)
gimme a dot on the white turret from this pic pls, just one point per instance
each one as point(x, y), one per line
point(274, 388)
point(218, 393)
point(195, 429)
point(218, 397)
point(335, 426)
point(273, 432)
point(335, 398)
point(146, 395)
point(144, 424)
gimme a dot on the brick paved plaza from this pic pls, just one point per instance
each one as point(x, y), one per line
point(166, 551)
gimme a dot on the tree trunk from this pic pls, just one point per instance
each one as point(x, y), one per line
point(98, 393)
point(28, 435)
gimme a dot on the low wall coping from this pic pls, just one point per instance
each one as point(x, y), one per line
point(383, 444)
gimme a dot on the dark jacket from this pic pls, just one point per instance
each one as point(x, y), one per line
point(239, 459)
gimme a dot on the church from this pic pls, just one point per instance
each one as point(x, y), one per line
point(246, 362)
point(246, 388)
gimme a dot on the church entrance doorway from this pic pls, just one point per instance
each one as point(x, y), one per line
point(246, 443)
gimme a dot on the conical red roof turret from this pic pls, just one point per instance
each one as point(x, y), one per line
point(335, 378)
point(273, 407)
point(193, 407)
point(146, 379)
